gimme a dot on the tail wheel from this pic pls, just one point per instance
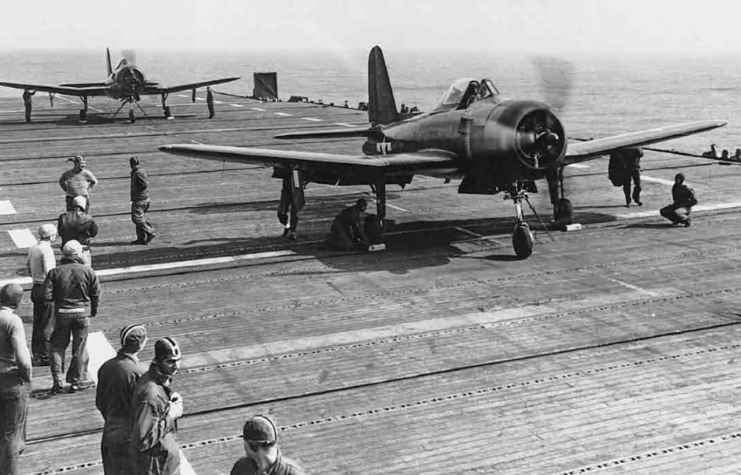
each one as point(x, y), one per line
point(522, 240)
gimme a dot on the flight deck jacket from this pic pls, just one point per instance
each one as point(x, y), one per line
point(73, 287)
point(78, 226)
point(153, 445)
point(139, 184)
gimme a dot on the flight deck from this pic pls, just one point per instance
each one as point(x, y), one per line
point(612, 349)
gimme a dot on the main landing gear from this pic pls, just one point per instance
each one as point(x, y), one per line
point(522, 237)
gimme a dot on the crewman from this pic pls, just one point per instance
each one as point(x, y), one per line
point(15, 381)
point(78, 226)
point(288, 204)
point(712, 153)
point(117, 379)
point(262, 454)
point(632, 163)
point(348, 228)
point(684, 199)
point(140, 202)
point(78, 182)
point(75, 290)
point(346, 106)
point(210, 102)
point(737, 155)
point(724, 155)
point(156, 408)
point(40, 261)
point(28, 103)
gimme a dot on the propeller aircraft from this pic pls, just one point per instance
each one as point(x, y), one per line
point(491, 143)
point(126, 82)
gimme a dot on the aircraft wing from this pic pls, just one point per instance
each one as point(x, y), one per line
point(583, 151)
point(154, 89)
point(381, 165)
point(97, 90)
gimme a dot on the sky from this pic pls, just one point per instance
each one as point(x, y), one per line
point(653, 27)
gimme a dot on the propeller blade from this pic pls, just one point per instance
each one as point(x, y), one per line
point(556, 79)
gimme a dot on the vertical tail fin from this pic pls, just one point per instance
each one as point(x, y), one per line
point(108, 61)
point(381, 104)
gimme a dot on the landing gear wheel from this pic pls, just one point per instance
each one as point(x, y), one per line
point(522, 240)
point(132, 117)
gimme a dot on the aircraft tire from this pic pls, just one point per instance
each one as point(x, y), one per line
point(522, 240)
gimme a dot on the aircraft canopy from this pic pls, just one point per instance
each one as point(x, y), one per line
point(464, 92)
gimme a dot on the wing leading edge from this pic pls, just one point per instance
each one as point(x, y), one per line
point(153, 89)
point(65, 90)
point(583, 151)
point(405, 162)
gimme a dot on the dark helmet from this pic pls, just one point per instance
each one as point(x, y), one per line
point(134, 161)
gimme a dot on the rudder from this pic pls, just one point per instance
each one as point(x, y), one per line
point(108, 61)
point(381, 103)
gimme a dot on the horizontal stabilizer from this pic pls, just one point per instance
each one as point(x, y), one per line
point(327, 134)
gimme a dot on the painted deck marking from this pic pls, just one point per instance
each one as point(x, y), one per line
point(577, 165)
point(23, 238)
point(258, 109)
point(100, 351)
point(6, 207)
point(236, 105)
point(218, 102)
point(182, 95)
point(387, 204)
point(285, 114)
point(10, 111)
point(75, 102)
point(630, 286)
point(313, 119)
point(170, 265)
point(648, 214)
point(345, 124)
point(196, 142)
point(466, 231)
point(185, 467)
point(658, 180)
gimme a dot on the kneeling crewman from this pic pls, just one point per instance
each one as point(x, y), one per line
point(352, 229)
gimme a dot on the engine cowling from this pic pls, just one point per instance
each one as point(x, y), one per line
point(526, 138)
point(131, 80)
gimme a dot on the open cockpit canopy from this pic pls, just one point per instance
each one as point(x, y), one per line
point(464, 92)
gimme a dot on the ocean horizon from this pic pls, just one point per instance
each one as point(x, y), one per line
point(609, 94)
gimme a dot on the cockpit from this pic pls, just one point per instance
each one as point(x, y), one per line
point(464, 92)
point(121, 64)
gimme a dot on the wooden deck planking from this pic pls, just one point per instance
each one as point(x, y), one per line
point(691, 272)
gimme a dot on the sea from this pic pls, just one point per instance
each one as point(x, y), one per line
point(596, 95)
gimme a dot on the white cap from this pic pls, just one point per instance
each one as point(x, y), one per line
point(80, 201)
point(72, 249)
point(47, 230)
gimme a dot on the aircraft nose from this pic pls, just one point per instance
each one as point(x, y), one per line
point(165, 148)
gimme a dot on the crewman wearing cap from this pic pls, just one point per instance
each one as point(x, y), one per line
point(260, 438)
point(15, 380)
point(28, 103)
point(75, 290)
point(78, 226)
point(140, 202)
point(156, 407)
point(117, 379)
point(78, 181)
point(40, 261)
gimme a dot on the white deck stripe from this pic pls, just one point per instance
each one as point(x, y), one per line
point(218, 102)
point(185, 467)
point(577, 165)
point(182, 95)
point(99, 351)
point(345, 124)
point(236, 105)
point(387, 204)
point(13, 110)
point(658, 180)
point(713, 207)
point(486, 319)
point(258, 109)
point(313, 119)
point(169, 265)
point(75, 102)
point(22, 238)
point(285, 114)
point(6, 207)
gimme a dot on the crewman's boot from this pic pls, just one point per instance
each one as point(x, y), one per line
point(292, 235)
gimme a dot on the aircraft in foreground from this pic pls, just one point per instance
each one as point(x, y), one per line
point(126, 82)
point(474, 134)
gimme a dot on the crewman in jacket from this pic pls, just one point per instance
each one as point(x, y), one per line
point(140, 202)
point(78, 226)
point(156, 407)
point(75, 290)
point(117, 379)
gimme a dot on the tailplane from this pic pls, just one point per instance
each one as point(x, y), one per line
point(381, 104)
point(108, 61)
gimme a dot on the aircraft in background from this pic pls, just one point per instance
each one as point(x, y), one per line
point(125, 82)
point(492, 144)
